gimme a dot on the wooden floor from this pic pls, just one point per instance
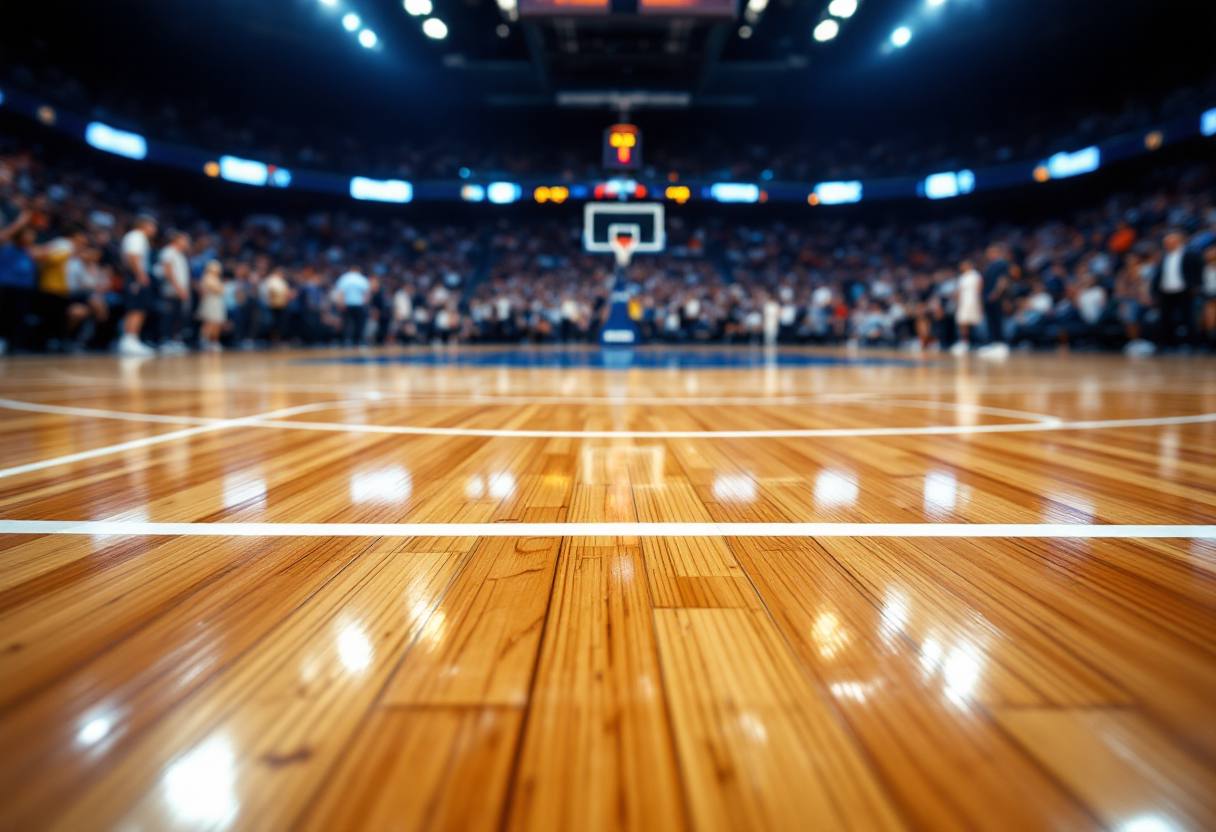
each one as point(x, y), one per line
point(841, 672)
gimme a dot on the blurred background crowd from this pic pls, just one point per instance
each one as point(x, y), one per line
point(91, 264)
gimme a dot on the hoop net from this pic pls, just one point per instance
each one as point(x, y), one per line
point(624, 241)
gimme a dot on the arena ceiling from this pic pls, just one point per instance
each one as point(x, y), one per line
point(966, 57)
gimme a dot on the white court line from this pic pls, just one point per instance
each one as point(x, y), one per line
point(792, 433)
point(69, 410)
point(218, 424)
point(967, 530)
point(268, 420)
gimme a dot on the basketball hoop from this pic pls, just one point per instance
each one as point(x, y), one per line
point(623, 237)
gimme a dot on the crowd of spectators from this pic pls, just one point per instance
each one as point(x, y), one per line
point(88, 266)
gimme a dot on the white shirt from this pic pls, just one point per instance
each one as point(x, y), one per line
point(403, 305)
point(969, 285)
point(353, 288)
point(175, 269)
point(1172, 281)
point(1090, 303)
point(136, 242)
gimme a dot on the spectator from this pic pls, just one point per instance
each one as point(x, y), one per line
point(212, 310)
point(353, 292)
point(18, 279)
point(969, 313)
point(1174, 287)
point(140, 293)
point(175, 282)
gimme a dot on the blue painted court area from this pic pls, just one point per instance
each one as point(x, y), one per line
point(622, 359)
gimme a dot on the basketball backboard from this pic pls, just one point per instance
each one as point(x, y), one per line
point(605, 222)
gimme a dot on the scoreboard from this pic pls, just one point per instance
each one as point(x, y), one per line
point(622, 147)
point(645, 8)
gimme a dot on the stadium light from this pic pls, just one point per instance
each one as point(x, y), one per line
point(842, 8)
point(436, 29)
point(950, 184)
point(826, 30)
point(419, 8)
point(837, 193)
point(757, 6)
point(351, 22)
point(503, 193)
point(120, 142)
point(243, 171)
point(1064, 165)
point(901, 36)
point(381, 190)
point(279, 177)
point(935, 3)
point(735, 192)
point(330, 3)
point(473, 193)
point(367, 38)
point(1207, 121)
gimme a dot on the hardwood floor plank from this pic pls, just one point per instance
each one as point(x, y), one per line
point(271, 727)
point(479, 647)
point(434, 769)
point(695, 572)
point(911, 709)
point(66, 737)
point(759, 749)
point(597, 752)
point(1119, 764)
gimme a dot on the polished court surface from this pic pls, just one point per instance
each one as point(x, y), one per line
point(537, 590)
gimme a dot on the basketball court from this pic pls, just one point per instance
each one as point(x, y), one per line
point(678, 589)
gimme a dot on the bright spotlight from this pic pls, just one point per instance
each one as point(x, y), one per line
point(435, 28)
point(842, 8)
point(351, 22)
point(367, 38)
point(419, 8)
point(826, 30)
point(330, 3)
point(935, 3)
point(901, 36)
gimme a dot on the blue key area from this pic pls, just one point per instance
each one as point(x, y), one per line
point(622, 359)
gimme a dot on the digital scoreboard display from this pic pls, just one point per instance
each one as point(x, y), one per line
point(644, 8)
point(622, 147)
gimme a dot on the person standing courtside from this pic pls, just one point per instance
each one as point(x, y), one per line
point(175, 292)
point(1178, 278)
point(969, 308)
point(140, 297)
point(353, 290)
point(996, 285)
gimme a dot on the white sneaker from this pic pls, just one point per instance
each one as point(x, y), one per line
point(1139, 348)
point(131, 345)
point(997, 351)
point(960, 348)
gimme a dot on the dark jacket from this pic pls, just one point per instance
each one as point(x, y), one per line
point(1192, 273)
